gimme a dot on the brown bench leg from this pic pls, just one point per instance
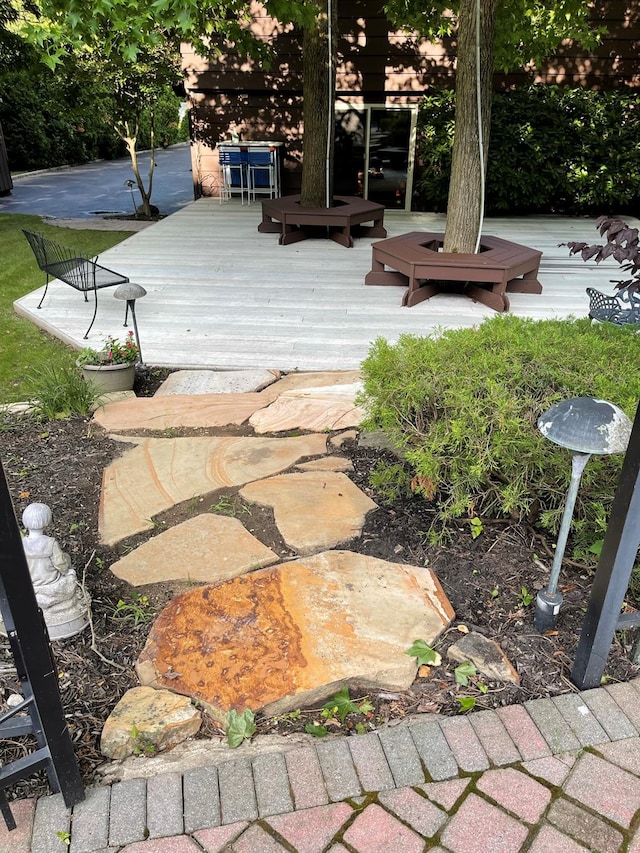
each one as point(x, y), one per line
point(493, 298)
point(419, 291)
point(269, 225)
point(343, 236)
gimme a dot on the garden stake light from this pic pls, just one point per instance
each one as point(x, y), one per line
point(585, 426)
point(130, 292)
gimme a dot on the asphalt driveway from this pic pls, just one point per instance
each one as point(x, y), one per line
point(98, 189)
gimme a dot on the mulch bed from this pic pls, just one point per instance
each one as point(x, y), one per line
point(491, 581)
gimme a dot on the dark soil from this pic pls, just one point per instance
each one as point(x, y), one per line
point(491, 581)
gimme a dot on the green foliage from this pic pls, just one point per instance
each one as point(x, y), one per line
point(64, 836)
point(559, 150)
point(21, 343)
point(138, 610)
point(141, 745)
point(524, 30)
point(466, 703)
point(525, 597)
point(341, 704)
point(240, 727)
point(463, 407)
point(425, 654)
point(316, 730)
point(463, 672)
point(58, 391)
point(53, 119)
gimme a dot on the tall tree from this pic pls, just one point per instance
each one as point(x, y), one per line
point(511, 34)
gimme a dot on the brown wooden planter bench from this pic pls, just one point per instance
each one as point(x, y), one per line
point(416, 262)
point(286, 217)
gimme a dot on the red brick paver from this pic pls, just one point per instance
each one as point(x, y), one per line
point(516, 792)
point(479, 827)
point(605, 788)
point(523, 732)
point(19, 839)
point(549, 840)
point(550, 769)
point(215, 840)
point(445, 793)
point(624, 753)
point(175, 844)
point(310, 831)
point(414, 809)
point(256, 840)
point(376, 831)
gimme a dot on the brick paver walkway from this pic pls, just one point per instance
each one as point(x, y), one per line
point(557, 775)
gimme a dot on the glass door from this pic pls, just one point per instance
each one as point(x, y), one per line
point(374, 153)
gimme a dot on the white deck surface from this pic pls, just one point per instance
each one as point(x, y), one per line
point(221, 295)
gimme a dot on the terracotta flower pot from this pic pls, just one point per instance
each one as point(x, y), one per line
point(110, 377)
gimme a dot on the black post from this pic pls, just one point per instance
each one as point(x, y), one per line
point(614, 570)
point(35, 666)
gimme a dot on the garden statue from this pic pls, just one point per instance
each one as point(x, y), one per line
point(63, 602)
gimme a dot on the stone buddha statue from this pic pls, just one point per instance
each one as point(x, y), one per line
point(59, 595)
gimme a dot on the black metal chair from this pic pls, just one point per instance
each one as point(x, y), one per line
point(620, 309)
point(72, 267)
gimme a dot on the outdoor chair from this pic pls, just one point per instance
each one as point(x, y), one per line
point(233, 161)
point(71, 267)
point(620, 309)
point(263, 173)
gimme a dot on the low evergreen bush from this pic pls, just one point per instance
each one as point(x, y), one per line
point(463, 409)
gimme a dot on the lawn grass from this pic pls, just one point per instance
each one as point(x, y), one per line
point(23, 347)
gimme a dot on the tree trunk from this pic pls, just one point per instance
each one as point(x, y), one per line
point(318, 70)
point(131, 141)
point(464, 208)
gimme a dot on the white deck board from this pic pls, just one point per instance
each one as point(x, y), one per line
point(221, 295)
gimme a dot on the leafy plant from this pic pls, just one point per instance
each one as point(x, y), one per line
point(240, 727)
point(462, 407)
point(113, 352)
point(425, 654)
point(463, 672)
point(466, 703)
point(64, 836)
point(58, 391)
point(137, 611)
point(341, 704)
point(476, 527)
point(525, 597)
point(316, 730)
point(621, 245)
point(141, 745)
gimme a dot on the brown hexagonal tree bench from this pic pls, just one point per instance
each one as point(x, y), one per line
point(416, 260)
point(341, 222)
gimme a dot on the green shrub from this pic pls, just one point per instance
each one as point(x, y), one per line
point(552, 150)
point(463, 408)
point(58, 390)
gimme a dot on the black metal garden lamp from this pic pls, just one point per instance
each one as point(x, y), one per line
point(585, 426)
point(130, 292)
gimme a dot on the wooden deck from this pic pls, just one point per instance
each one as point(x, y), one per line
point(221, 295)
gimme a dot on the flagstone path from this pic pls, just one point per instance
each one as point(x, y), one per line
point(262, 634)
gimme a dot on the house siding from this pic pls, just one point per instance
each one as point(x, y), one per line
point(376, 66)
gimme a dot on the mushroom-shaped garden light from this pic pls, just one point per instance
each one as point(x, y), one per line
point(129, 292)
point(585, 426)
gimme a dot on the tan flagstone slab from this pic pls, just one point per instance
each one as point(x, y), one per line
point(158, 718)
point(205, 549)
point(179, 410)
point(317, 408)
point(158, 473)
point(312, 509)
point(298, 381)
point(216, 381)
point(327, 463)
point(292, 635)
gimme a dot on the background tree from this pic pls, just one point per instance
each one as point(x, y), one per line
point(512, 34)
